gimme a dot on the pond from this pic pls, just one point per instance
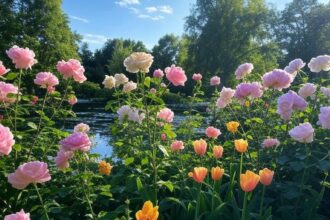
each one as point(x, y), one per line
point(99, 120)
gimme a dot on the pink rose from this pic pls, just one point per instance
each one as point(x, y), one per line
point(81, 127)
point(72, 68)
point(72, 100)
point(270, 142)
point(166, 114)
point(215, 80)
point(317, 64)
point(153, 90)
point(176, 75)
point(325, 91)
point(289, 102)
point(212, 132)
point(177, 145)
point(22, 58)
point(5, 90)
point(225, 98)
point(30, 172)
point(163, 137)
point(307, 90)
point(34, 100)
point(46, 80)
point(18, 216)
point(158, 73)
point(130, 86)
point(294, 66)
point(197, 77)
point(243, 70)
point(244, 90)
point(303, 133)
point(277, 79)
point(324, 117)
point(76, 141)
point(6, 140)
point(3, 69)
point(62, 159)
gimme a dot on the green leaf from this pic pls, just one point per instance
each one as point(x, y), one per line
point(32, 125)
point(147, 82)
point(139, 183)
point(11, 76)
point(129, 160)
point(162, 149)
point(167, 184)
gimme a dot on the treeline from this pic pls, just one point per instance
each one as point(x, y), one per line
point(219, 35)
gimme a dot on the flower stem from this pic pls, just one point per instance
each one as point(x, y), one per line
point(244, 207)
point(241, 164)
point(41, 201)
point(198, 201)
point(262, 201)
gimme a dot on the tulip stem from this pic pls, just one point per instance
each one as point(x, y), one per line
point(244, 207)
point(241, 164)
point(262, 201)
point(214, 184)
point(41, 201)
point(198, 201)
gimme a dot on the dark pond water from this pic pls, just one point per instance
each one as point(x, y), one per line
point(99, 120)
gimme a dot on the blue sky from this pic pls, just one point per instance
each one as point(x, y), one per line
point(144, 20)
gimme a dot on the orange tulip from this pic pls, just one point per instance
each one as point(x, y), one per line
point(198, 174)
point(200, 147)
point(266, 176)
point(148, 212)
point(241, 145)
point(217, 152)
point(249, 181)
point(217, 173)
point(232, 126)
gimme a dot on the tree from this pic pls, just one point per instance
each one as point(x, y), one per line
point(303, 30)
point(226, 33)
point(166, 51)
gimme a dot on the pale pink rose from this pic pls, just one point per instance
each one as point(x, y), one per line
point(166, 114)
point(153, 90)
point(212, 132)
point(5, 90)
point(3, 69)
point(22, 58)
point(307, 90)
point(277, 79)
point(197, 77)
point(303, 133)
point(324, 117)
point(109, 82)
point(130, 86)
point(18, 216)
point(81, 127)
point(163, 137)
point(46, 80)
point(177, 145)
point(225, 98)
point(138, 61)
point(295, 66)
point(289, 102)
point(215, 80)
point(6, 140)
point(27, 173)
point(158, 73)
point(76, 141)
point(120, 79)
point(270, 142)
point(131, 114)
point(243, 70)
point(72, 68)
point(72, 100)
point(244, 90)
point(123, 112)
point(176, 75)
point(325, 91)
point(317, 64)
point(62, 159)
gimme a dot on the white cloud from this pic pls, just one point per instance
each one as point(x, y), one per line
point(135, 10)
point(165, 9)
point(84, 20)
point(125, 3)
point(94, 39)
point(151, 9)
point(153, 18)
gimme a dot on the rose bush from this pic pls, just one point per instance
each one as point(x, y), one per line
point(257, 150)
